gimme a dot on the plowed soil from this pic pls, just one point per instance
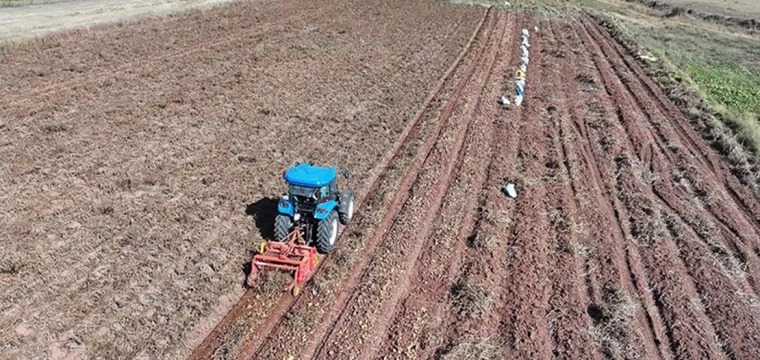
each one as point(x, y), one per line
point(126, 187)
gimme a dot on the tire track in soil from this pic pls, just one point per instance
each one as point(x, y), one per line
point(741, 232)
point(376, 195)
point(419, 318)
point(568, 321)
point(698, 269)
point(638, 266)
point(702, 229)
point(638, 83)
point(612, 274)
point(358, 330)
point(678, 313)
point(736, 230)
point(482, 266)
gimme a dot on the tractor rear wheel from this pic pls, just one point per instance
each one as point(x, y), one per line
point(282, 225)
point(327, 233)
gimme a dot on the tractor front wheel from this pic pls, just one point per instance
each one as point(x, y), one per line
point(327, 233)
point(282, 225)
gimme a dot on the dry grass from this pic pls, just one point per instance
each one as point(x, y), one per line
point(482, 241)
point(470, 300)
point(585, 78)
point(474, 348)
point(596, 116)
point(565, 223)
point(499, 220)
point(270, 282)
point(613, 324)
point(733, 134)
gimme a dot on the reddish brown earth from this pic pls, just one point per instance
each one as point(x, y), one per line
point(140, 162)
point(127, 184)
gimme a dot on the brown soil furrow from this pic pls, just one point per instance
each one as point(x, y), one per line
point(527, 290)
point(570, 325)
point(339, 269)
point(625, 100)
point(419, 320)
point(393, 161)
point(366, 317)
point(689, 265)
point(617, 286)
point(707, 188)
point(681, 128)
point(636, 83)
point(675, 294)
point(729, 310)
point(670, 124)
point(483, 266)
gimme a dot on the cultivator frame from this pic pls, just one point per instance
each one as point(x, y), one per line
point(290, 254)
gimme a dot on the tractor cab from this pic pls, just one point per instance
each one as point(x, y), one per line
point(314, 205)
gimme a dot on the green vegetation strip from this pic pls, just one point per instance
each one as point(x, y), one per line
point(723, 67)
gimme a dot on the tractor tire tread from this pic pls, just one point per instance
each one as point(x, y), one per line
point(282, 226)
point(324, 229)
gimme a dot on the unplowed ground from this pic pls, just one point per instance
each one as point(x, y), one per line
point(629, 237)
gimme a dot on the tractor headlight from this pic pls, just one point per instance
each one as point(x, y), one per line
point(284, 203)
point(297, 217)
point(321, 210)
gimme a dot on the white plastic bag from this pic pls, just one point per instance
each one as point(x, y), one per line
point(525, 60)
point(518, 100)
point(520, 87)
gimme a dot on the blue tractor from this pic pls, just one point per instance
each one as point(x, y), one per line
point(313, 205)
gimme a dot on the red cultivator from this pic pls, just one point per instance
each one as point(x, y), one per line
point(290, 254)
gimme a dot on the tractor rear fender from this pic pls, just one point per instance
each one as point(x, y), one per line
point(324, 209)
point(285, 206)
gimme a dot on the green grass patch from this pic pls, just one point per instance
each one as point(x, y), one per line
point(723, 67)
point(730, 85)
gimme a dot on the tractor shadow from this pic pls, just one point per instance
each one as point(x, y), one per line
point(263, 212)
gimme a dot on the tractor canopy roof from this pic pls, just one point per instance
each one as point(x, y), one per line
point(310, 176)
